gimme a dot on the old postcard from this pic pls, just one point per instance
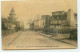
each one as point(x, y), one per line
point(39, 24)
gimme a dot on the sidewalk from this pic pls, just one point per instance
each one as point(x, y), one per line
point(63, 38)
point(7, 40)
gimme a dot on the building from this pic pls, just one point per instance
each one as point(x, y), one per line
point(10, 23)
point(12, 19)
point(32, 25)
point(62, 21)
point(12, 16)
point(41, 24)
point(46, 19)
point(58, 18)
point(38, 24)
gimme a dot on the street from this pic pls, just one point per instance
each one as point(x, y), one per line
point(33, 40)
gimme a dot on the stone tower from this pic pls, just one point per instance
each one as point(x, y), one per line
point(12, 16)
point(70, 18)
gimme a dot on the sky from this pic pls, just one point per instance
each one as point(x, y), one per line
point(29, 10)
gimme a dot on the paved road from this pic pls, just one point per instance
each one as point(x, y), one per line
point(33, 40)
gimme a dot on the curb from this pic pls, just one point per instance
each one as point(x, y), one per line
point(57, 39)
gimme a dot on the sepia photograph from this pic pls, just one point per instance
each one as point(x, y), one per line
point(39, 24)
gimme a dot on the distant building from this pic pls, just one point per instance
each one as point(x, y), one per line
point(60, 22)
point(39, 24)
point(21, 25)
point(32, 26)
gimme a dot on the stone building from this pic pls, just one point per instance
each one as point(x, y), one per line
point(46, 19)
point(39, 24)
point(63, 21)
point(57, 19)
point(12, 19)
point(59, 22)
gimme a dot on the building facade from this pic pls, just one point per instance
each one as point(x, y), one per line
point(39, 24)
point(57, 19)
point(10, 24)
point(63, 21)
point(12, 19)
point(59, 22)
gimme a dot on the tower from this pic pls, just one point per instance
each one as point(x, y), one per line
point(70, 18)
point(12, 16)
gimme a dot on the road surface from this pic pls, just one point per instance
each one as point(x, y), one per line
point(33, 40)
